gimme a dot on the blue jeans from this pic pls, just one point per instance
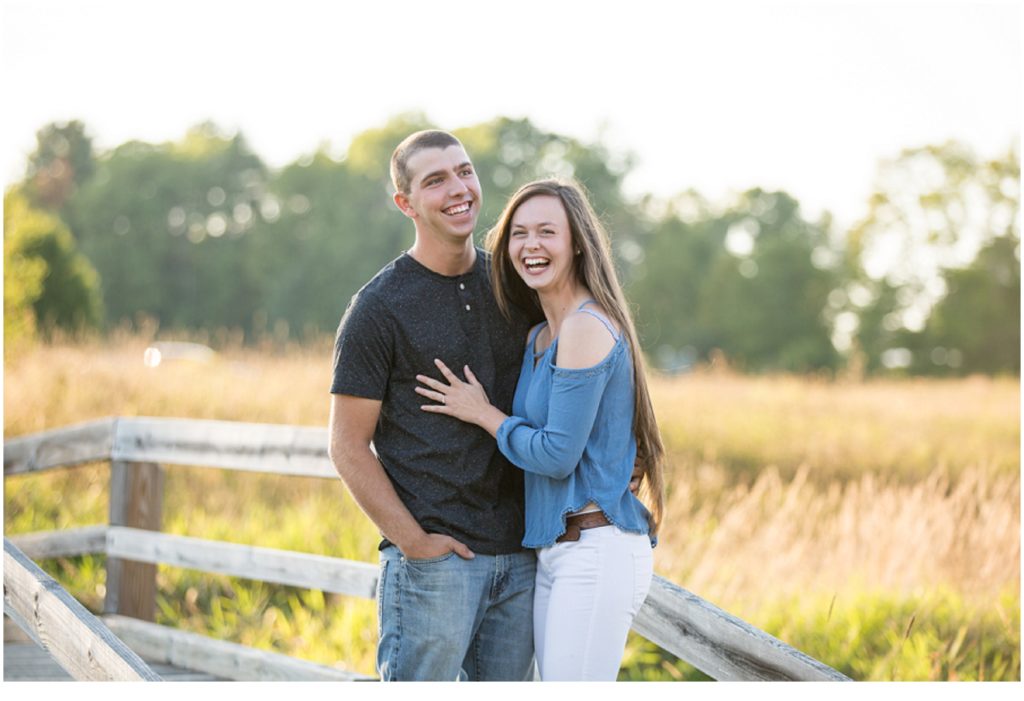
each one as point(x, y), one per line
point(447, 618)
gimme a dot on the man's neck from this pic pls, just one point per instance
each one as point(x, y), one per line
point(446, 258)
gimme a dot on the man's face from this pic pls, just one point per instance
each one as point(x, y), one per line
point(444, 193)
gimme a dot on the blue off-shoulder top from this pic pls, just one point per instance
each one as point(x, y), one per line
point(572, 433)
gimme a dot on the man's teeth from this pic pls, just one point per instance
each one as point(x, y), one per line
point(458, 209)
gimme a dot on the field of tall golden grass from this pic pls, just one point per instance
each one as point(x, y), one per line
point(874, 525)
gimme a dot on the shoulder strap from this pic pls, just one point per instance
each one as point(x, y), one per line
point(600, 317)
point(532, 339)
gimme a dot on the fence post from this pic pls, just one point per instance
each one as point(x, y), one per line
point(136, 501)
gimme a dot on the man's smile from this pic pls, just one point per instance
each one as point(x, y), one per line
point(457, 209)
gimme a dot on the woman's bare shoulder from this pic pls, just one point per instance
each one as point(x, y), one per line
point(583, 341)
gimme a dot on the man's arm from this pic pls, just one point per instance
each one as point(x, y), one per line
point(352, 423)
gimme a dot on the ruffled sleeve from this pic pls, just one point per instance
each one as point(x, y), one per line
point(555, 449)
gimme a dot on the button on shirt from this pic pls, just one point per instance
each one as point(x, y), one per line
point(450, 475)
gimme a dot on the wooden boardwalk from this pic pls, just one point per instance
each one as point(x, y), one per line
point(25, 661)
point(124, 644)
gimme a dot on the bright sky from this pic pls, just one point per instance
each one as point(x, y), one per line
point(717, 96)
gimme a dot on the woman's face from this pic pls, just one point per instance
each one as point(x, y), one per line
point(540, 243)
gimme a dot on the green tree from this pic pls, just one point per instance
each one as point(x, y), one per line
point(508, 153)
point(666, 270)
point(48, 284)
point(23, 274)
point(167, 228)
point(976, 326)
point(62, 161)
point(933, 210)
point(338, 225)
point(329, 225)
point(334, 230)
point(767, 298)
point(752, 281)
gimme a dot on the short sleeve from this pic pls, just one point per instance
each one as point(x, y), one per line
point(363, 349)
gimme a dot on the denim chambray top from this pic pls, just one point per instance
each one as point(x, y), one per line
point(572, 433)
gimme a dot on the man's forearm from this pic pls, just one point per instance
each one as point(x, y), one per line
point(373, 491)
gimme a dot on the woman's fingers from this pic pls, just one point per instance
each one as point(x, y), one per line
point(448, 374)
point(431, 394)
point(431, 382)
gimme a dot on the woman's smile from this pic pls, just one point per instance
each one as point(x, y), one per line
point(540, 244)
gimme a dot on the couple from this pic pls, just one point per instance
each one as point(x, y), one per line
point(509, 526)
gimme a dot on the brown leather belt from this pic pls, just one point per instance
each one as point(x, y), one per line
point(581, 522)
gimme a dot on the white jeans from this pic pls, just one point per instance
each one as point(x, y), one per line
point(588, 593)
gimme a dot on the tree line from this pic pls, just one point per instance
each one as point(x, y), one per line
point(200, 234)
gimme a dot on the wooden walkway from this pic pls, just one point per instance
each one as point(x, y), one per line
point(25, 661)
point(124, 644)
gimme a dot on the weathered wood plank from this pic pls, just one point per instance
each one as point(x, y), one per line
point(136, 500)
point(719, 644)
point(170, 673)
point(279, 449)
point(224, 659)
point(328, 574)
point(18, 622)
point(76, 639)
point(61, 447)
point(29, 662)
point(85, 540)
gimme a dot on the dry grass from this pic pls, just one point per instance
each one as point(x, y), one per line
point(781, 490)
point(903, 429)
point(62, 384)
point(775, 539)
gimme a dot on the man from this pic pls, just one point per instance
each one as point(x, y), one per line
point(456, 589)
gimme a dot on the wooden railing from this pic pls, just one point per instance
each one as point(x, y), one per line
point(76, 639)
point(713, 641)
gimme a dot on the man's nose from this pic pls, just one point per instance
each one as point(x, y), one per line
point(457, 187)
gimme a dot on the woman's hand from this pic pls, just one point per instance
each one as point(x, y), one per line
point(466, 401)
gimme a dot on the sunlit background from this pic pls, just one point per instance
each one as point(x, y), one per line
point(717, 96)
point(814, 208)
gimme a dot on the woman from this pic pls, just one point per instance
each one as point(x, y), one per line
point(582, 416)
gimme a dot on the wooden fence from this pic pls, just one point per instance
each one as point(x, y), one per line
point(138, 449)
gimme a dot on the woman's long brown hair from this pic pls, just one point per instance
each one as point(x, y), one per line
point(595, 269)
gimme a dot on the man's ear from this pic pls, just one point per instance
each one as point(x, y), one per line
point(402, 202)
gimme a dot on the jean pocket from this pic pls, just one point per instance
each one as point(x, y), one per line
point(642, 575)
point(430, 560)
point(381, 592)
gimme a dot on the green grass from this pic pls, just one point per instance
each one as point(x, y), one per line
point(936, 636)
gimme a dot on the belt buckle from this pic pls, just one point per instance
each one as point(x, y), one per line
point(572, 533)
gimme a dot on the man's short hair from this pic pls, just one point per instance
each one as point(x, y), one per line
point(411, 145)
